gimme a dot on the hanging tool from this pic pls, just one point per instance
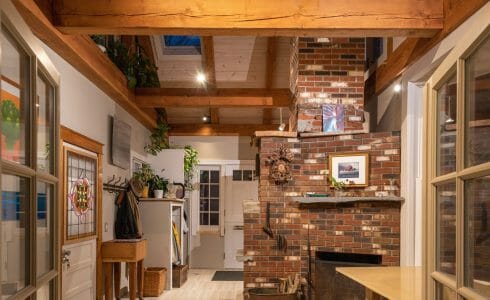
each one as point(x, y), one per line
point(267, 227)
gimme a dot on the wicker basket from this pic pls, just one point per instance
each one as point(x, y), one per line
point(154, 281)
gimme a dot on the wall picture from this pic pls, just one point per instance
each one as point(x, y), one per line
point(333, 118)
point(350, 168)
point(121, 144)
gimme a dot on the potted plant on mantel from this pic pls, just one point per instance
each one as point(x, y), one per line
point(159, 186)
point(145, 175)
point(338, 187)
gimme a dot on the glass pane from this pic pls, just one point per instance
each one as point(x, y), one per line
point(477, 234)
point(44, 228)
point(15, 224)
point(446, 228)
point(45, 129)
point(204, 219)
point(444, 293)
point(45, 292)
point(477, 101)
point(214, 176)
point(446, 129)
point(204, 177)
point(214, 205)
point(14, 100)
point(204, 190)
point(214, 219)
point(214, 191)
point(247, 175)
point(204, 207)
point(237, 175)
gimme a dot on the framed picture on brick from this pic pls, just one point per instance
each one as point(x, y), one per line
point(350, 168)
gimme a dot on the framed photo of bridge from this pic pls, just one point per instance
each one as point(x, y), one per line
point(350, 168)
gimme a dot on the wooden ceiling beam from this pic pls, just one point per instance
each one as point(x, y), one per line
point(218, 129)
point(411, 49)
point(253, 18)
point(84, 55)
point(228, 97)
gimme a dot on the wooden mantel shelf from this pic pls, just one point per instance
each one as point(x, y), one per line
point(162, 200)
point(326, 200)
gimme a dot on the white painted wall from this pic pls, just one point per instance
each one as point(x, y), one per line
point(411, 132)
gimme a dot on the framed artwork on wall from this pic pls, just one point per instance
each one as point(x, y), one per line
point(121, 144)
point(350, 168)
point(333, 118)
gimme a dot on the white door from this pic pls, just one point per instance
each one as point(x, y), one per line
point(240, 185)
point(79, 272)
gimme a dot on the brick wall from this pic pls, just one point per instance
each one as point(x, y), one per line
point(365, 227)
point(330, 71)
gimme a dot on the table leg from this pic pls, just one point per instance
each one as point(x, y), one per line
point(117, 280)
point(140, 279)
point(132, 280)
point(370, 295)
point(108, 280)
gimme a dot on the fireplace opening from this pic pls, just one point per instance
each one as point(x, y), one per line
point(330, 285)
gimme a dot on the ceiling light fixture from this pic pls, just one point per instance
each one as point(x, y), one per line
point(397, 88)
point(200, 77)
point(205, 119)
point(282, 125)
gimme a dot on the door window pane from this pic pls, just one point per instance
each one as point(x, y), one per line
point(477, 234)
point(446, 228)
point(14, 100)
point(44, 228)
point(44, 119)
point(45, 292)
point(446, 127)
point(214, 219)
point(214, 176)
point(477, 96)
point(444, 293)
point(15, 244)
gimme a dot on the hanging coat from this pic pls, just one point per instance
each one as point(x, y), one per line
point(128, 222)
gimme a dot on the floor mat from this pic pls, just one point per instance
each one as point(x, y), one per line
point(228, 276)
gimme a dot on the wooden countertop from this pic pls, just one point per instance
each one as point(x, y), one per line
point(394, 283)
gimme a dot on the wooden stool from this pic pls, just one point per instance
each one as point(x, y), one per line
point(131, 252)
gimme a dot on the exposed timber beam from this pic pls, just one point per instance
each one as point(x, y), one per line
point(83, 54)
point(410, 50)
point(229, 97)
point(218, 129)
point(208, 61)
point(214, 111)
point(257, 18)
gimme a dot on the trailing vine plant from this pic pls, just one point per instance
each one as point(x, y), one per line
point(190, 162)
point(158, 138)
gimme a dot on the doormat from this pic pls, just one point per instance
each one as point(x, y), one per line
point(228, 276)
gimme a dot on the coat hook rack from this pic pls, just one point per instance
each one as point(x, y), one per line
point(115, 186)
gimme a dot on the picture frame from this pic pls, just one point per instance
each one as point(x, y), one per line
point(350, 168)
point(333, 118)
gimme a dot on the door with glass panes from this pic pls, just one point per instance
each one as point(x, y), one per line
point(29, 177)
point(457, 218)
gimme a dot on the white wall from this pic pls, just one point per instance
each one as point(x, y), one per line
point(218, 147)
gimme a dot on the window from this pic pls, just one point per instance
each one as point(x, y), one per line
point(181, 44)
point(243, 175)
point(209, 197)
point(458, 187)
point(29, 179)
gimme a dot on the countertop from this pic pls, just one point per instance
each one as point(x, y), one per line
point(394, 283)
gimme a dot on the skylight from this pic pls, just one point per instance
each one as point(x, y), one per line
point(182, 44)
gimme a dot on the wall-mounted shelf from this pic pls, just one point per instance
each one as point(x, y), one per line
point(326, 200)
point(174, 200)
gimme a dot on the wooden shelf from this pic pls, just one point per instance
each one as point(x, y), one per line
point(326, 200)
point(175, 200)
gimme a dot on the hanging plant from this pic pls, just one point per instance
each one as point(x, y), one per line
point(158, 139)
point(190, 162)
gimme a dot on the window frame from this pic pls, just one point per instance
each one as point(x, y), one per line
point(211, 228)
point(455, 60)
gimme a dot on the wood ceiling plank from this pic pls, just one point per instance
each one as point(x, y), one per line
point(84, 55)
point(191, 97)
point(258, 18)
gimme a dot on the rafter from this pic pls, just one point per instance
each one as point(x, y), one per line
point(258, 18)
point(218, 129)
point(410, 50)
point(230, 97)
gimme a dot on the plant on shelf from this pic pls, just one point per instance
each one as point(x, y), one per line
point(159, 186)
point(145, 175)
point(158, 139)
point(337, 185)
point(190, 162)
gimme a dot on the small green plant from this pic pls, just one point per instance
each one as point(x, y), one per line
point(337, 185)
point(158, 183)
point(190, 162)
point(145, 174)
point(158, 139)
point(10, 123)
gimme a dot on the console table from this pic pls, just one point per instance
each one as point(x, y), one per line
point(131, 252)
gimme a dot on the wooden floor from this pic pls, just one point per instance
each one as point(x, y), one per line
point(199, 286)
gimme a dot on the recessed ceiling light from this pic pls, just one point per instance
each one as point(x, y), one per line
point(200, 77)
point(205, 119)
point(282, 127)
point(397, 88)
